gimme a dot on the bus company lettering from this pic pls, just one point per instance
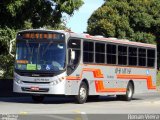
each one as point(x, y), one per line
point(41, 80)
point(123, 70)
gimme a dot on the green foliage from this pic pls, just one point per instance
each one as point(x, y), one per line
point(6, 66)
point(158, 79)
point(136, 20)
point(26, 14)
point(15, 14)
point(6, 61)
point(6, 34)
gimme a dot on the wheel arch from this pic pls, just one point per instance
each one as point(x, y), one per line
point(86, 81)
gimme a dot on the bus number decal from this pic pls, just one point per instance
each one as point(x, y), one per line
point(123, 70)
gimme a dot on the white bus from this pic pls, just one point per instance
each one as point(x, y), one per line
point(50, 62)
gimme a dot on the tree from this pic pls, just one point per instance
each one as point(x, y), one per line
point(25, 14)
point(6, 61)
point(17, 13)
point(136, 20)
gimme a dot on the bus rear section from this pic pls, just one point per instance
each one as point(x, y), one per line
point(112, 67)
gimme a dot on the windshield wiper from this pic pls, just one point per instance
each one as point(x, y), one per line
point(29, 49)
point(47, 47)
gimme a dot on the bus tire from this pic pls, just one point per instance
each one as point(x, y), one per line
point(129, 93)
point(82, 93)
point(37, 99)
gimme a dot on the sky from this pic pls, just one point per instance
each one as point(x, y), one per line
point(78, 22)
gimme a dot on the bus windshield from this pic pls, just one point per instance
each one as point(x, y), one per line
point(40, 56)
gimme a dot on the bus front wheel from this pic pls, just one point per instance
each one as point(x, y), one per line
point(82, 94)
point(37, 99)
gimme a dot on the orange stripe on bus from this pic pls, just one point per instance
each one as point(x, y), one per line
point(73, 78)
point(96, 72)
point(100, 87)
point(136, 77)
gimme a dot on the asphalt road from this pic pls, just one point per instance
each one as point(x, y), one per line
point(142, 103)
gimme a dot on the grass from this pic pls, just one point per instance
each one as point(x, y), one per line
point(158, 79)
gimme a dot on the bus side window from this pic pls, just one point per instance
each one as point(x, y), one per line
point(111, 53)
point(88, 52)
point(122, 55)
point(150, 58)
point(100, 52)
point(132, 56)
point(142, 57)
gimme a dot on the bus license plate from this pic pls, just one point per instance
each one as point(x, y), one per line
point(34, 88)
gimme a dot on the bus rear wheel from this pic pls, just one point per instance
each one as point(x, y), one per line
point(82, 94)
point(129, 93)
point(37, 99)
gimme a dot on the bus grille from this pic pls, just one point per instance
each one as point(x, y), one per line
point(36, 82)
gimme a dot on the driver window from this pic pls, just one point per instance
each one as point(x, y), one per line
point(74, 45)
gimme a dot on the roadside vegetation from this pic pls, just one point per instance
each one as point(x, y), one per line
point(158, 79)
point(135, 20)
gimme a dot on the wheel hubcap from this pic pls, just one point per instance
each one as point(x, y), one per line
point(82, 93)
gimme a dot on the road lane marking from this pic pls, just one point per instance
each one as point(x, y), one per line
point(23, 113)
point(77, 111)
point(81, 115)
point(59, 117)
point(84, 116)
point(152, 102)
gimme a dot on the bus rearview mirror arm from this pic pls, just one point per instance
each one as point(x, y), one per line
point(73, 55)
point(11, 47)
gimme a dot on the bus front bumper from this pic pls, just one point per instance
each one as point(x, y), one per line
point(49, 89)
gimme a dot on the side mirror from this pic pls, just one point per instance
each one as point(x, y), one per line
point(73, 55)
point(11, 47)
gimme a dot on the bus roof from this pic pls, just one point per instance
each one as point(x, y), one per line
point(97, 37)
point(112, 40)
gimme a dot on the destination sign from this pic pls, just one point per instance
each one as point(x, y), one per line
point(34, 35)
point(40, 36)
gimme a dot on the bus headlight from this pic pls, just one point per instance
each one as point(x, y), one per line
point(17, 79)
point(53, 82)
